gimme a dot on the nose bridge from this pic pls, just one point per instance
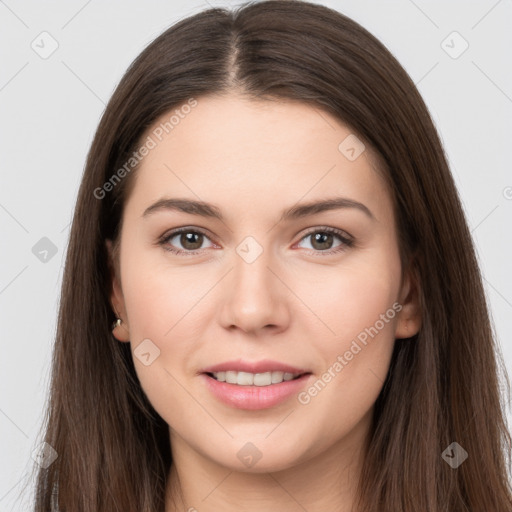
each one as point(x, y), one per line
point(251, 264)
point(255, 298)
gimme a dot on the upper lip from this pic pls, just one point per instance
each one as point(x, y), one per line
point(263, 366)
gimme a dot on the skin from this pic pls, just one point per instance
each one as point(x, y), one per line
point(293, 304)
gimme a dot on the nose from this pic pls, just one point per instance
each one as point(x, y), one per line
point(256, 299)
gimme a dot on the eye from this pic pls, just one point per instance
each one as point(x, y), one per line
point(322, 240)
point(191, 241)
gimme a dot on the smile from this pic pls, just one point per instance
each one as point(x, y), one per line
point(254, 379)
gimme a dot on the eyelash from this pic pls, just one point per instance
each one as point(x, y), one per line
point(346, 241)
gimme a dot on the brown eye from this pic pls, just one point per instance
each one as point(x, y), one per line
point(191, 240)
point(184, 241)
point(323, 240)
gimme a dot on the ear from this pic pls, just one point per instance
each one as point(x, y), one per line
point(121, 332)
point(409, 318)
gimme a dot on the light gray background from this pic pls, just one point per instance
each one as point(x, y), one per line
point(50, 109)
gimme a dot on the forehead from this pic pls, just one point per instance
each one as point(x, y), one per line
point(235, 151)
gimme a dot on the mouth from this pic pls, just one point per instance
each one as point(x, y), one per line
point(254, 379)
point(254, 385)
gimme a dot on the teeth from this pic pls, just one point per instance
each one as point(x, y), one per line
point(253, 379)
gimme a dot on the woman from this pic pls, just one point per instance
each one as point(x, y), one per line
point(271, 299)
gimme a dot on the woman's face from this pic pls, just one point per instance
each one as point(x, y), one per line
point(263, 282)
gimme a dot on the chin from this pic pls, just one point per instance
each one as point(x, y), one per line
point(251, 459)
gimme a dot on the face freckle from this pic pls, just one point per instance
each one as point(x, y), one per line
point(261, 287)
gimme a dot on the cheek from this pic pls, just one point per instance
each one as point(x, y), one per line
point(360, 305)
point(349, 299)
point(161, 306)
point(160, 300)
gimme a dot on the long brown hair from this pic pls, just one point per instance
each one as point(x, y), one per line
point(443, 384)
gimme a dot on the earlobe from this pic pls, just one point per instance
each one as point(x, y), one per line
point(409, 319)
point(120, 331)
point(120, 327)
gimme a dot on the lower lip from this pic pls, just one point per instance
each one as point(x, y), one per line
point(254, 397)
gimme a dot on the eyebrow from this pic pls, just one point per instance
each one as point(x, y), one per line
point(204, 209)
